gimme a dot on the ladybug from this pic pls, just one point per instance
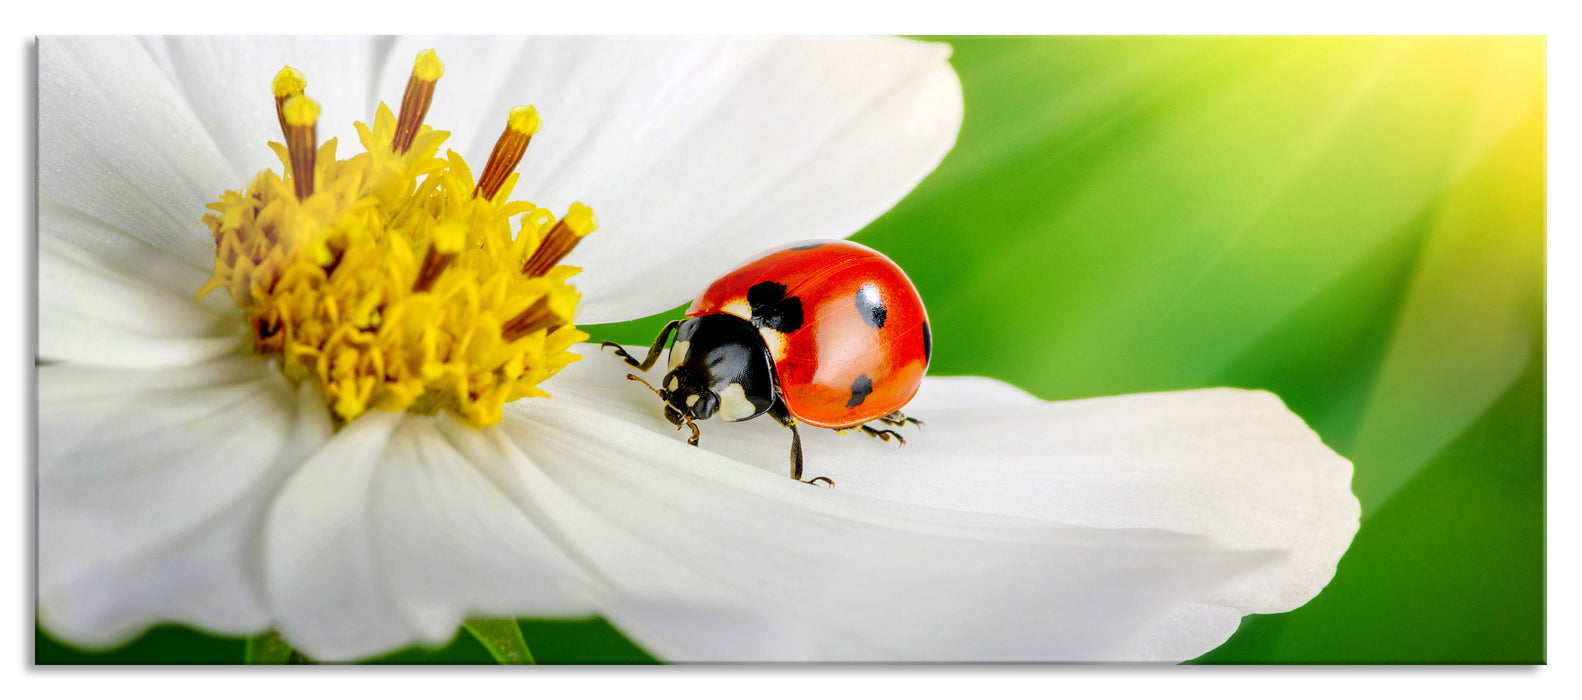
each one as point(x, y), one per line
point(827, 333)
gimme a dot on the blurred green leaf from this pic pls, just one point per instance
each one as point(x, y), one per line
point(1451, 570)
point(584, 641)
point(1472, 316)
point(166, 644)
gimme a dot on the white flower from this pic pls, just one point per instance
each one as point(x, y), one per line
point(183, 478)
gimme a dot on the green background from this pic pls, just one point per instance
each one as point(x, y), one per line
point(1356, 224)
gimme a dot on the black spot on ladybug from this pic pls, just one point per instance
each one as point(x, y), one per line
point(805, 246)
point(860, 389)
point(871, 305)
point(772, 308)
point(928, 342)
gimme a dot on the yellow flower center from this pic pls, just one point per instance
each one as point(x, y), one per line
point(391, 279)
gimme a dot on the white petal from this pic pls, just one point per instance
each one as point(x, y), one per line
point(1233, 465)
point(451, 544)
point(58, 220)
point(856, 578)
point(92, 395)
point(321, 572)
point(152, 488)
point(390, 536)
point(697, 152)
point(91, 311)
point(960, 393)
point(1188, 631)
point(119, 142)
point(226, 81)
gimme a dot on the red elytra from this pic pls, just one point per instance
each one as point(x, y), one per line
point(862, 345)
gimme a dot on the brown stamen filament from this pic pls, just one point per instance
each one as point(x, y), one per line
point(534, 317)
point(302, 118)
point(556, 246)
point(419, 95)
point(288, 83)
point(433, 264)
point(561, 239)
point(508, 150)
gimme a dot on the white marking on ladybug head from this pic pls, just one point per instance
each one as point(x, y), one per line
point(734, 405)
point(673, 384)
point(739, 308)
point(678, 352)
point(775, 341)
point(692, 401)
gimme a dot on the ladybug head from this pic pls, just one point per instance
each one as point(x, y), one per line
point(687, 394)
point(718, 365)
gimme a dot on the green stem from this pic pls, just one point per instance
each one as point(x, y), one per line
point(503, 639)
point(270, 648)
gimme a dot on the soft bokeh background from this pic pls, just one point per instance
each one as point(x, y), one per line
point(1356, 224)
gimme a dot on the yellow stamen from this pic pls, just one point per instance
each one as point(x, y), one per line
point(301, 117)
point(508, 150)
point(288, 83)
point(390, 280)
point(565, 236)
point(426, 71)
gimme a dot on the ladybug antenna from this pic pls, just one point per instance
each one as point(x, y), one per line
point(644, 382)
point(686, 419)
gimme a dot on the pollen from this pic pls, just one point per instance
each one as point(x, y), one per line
point(390, 279)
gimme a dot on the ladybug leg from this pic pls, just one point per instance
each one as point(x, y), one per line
point(796, 451)
point(899, 419)
point(884, 435)
point(653, 352)
point(782, 415)
point(693, 441)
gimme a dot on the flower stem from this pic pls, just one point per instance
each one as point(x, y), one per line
point(270, 648)
point(503, 639)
